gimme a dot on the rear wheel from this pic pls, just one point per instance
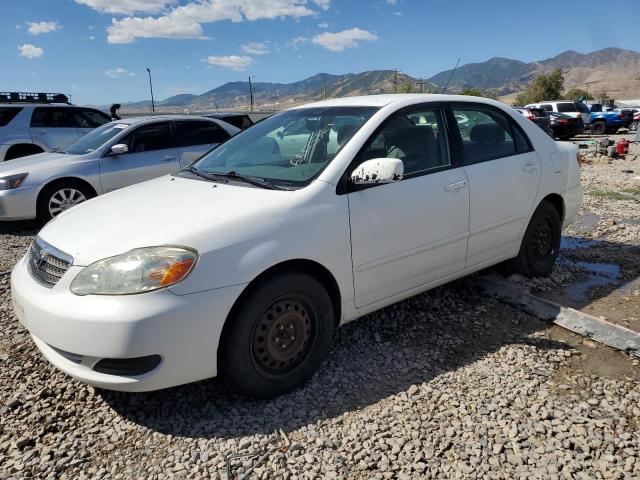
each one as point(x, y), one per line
point(541, 243)
point(279, 335)
point(57, 198)
point(22, 150)
point(598, 127)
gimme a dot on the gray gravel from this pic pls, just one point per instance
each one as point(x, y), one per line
point(446, 384)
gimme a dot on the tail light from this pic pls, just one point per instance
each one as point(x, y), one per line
point(530, 116)
point(579, 159)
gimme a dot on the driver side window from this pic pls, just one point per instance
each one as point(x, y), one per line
point(417, 138)
point(155, 136)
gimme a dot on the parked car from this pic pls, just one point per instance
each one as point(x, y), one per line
point(565, 126)
point(240, 120)
point(636, 121)
point(110, 157)
point(243, 264)
point(537, 116)
point(32, 123)
point(573, 109)
point(609, 118)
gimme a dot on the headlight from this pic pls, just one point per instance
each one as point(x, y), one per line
point(12, 181)
point(137, 271)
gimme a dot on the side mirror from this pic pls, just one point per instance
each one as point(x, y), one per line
point(118, 149)
point(378, 170)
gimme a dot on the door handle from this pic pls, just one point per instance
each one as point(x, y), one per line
point(456, 186)
point(530, 167)
point(168, 158)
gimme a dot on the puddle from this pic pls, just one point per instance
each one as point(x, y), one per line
point(599, 274)
point(577, 243)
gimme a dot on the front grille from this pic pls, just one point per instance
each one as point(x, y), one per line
point(47, 264)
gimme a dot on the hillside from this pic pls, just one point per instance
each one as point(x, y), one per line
point(614, 70)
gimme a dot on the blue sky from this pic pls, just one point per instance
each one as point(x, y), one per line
point(98, 50)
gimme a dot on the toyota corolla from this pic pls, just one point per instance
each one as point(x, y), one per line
point(244, 264)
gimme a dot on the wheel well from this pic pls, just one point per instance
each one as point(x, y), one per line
point(67, 181)
point(557, 201)
point(21, 150)
point(310, 267)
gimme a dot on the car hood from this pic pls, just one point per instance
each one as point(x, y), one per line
point(39, 161)
point(168, 210)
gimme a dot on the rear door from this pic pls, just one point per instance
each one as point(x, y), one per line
point(193, 138)
point(504, 175)
point(53, 127)
point(151, 154)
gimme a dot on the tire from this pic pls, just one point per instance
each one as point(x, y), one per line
point(634, 125)
point(295, 312)
point(540, 244)
point(598, 127)
point(75, 191)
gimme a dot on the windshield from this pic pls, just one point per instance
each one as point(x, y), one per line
point(290, 148)
point(94, 139)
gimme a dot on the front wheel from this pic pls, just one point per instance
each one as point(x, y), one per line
point(541, 243)
point(279, 335)
point(55, 199)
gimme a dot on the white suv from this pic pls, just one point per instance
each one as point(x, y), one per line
point(42, 122)
point(566, 107)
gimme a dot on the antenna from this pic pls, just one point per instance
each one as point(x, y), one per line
point(451, 76)
point(250, 94)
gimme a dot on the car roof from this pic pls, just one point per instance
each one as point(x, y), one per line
point(389, 99)
point(160, 118)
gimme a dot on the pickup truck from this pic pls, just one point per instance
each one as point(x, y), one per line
point(609, 120)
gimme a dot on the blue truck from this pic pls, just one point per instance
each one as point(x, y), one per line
point(608, 121)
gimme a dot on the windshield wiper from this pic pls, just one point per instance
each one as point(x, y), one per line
point(257, 182)
point(199, 173)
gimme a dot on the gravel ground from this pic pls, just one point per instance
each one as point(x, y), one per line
point(448, 384)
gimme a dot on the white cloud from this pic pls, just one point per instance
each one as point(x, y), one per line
point(234, 62)
point(185, 21)
point(392, 2)
point(36, 28)
point(398, 14)
point(297, 42)
point(323, 4)
point(323, 25)
point(127, 7)
point(339, 41)
point(255, 48)
point(118, 72)
point(30, 51)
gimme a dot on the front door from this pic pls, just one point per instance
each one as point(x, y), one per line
point(414, 232)
point(504, 175)
point(151, 154)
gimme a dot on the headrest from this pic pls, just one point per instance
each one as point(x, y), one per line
point(345, 133)
point(489, 133)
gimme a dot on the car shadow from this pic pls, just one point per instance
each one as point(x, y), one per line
point(379, 355)
point(22, 228)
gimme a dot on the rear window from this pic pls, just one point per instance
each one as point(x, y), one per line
point(7, 114)
point(567, 107)
point(538, 112)
point(193, 132)
point(582, 107)
point(546, 107)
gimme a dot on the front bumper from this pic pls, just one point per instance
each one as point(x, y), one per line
point(184, 330)
point(18, 204)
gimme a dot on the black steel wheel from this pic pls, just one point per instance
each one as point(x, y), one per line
point(540, 244)
point(277, 335)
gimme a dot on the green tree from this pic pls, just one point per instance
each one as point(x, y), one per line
point(477, 92)
point(576, 93)
point(406, 88)
point(545, 86)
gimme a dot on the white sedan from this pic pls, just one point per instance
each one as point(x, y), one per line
point(244, 264)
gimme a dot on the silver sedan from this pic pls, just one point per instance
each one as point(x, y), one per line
point(112, 156)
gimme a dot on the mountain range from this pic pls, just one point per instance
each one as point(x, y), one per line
point(614, 70)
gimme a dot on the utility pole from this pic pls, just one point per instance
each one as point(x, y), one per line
point(153, 105)
point(250, 95)
point(395, 81)
point(325, 89)
point(421, 83)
